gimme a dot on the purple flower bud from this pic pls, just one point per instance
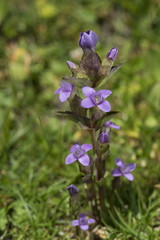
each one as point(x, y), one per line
point(123, 169)
point(73, 190)
point(112, 54)
point(104, 137)
point(71, 65)
point(88, 39)
point(83, 222)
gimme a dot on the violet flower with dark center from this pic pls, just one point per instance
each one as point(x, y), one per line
point(73, 190)
point(110, 124)
point(79, 153)
point(123, 169)
point(104, 137)
point(88, 39)
point(83, 222)
point(64, 91)
point(96, 98)
point(112, 54)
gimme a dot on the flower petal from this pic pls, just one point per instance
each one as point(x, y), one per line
point(84, 160)
point(116, 172)
point(73, 190)
point(104, 93)
point(129, 167)
point(104, 137)
point(113, 125)
point(112, 54)
point(58, 91)
point(84, 227)
point(129, 176)
point(86, 147)
point(91, 220)
point(82, 215)
point(87, 91)
point(63, 96)
point(66, 86)
point(70, 159)
point(94, 38)
point(120, 163)
point(86, 41)
point(74, 148)
point(104, 106)
point(75, 222)
point(87, 103)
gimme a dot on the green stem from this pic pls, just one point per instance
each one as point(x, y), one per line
point(99, 168)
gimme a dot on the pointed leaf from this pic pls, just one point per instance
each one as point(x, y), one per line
point(79, 82)
point(112, 71)
point(75, 105)
point(82, 121)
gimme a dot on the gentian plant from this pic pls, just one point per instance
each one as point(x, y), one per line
point(93, 113)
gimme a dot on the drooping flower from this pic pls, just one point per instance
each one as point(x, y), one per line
point(124, 169)
point(104, 137)
point(64, 91)
point(88, 39)
point(112, 54)
point(110, 124)
point(96, 98)
point(78, 152)
point(83, 222)
point(73, 190)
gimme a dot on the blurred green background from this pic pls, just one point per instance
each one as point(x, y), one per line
point(36, 39)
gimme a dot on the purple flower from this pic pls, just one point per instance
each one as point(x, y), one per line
point(64, 91)
point(94, 98)
point(104, 137)
point(83, 222)
point(111, 125)
point(79, 153)
point(123, 169)
point(73, 190)
point(88, 39)
point(112, 54)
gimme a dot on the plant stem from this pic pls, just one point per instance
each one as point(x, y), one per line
point(100, 170)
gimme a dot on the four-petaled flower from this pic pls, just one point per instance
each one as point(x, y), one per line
point(112, 54)
point(110, 124)
point(123, 169)
point(96, 98)
point(78, 152)
point(88, 39)
point(73, 190)
point(64, 91)
point(83, 222)
point(104, 137)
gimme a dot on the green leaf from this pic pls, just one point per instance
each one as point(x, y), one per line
point(112, 71)
point(105, 118)
point(79, 82)
point(76, 108)
point(129, 229)
point(73, 117)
